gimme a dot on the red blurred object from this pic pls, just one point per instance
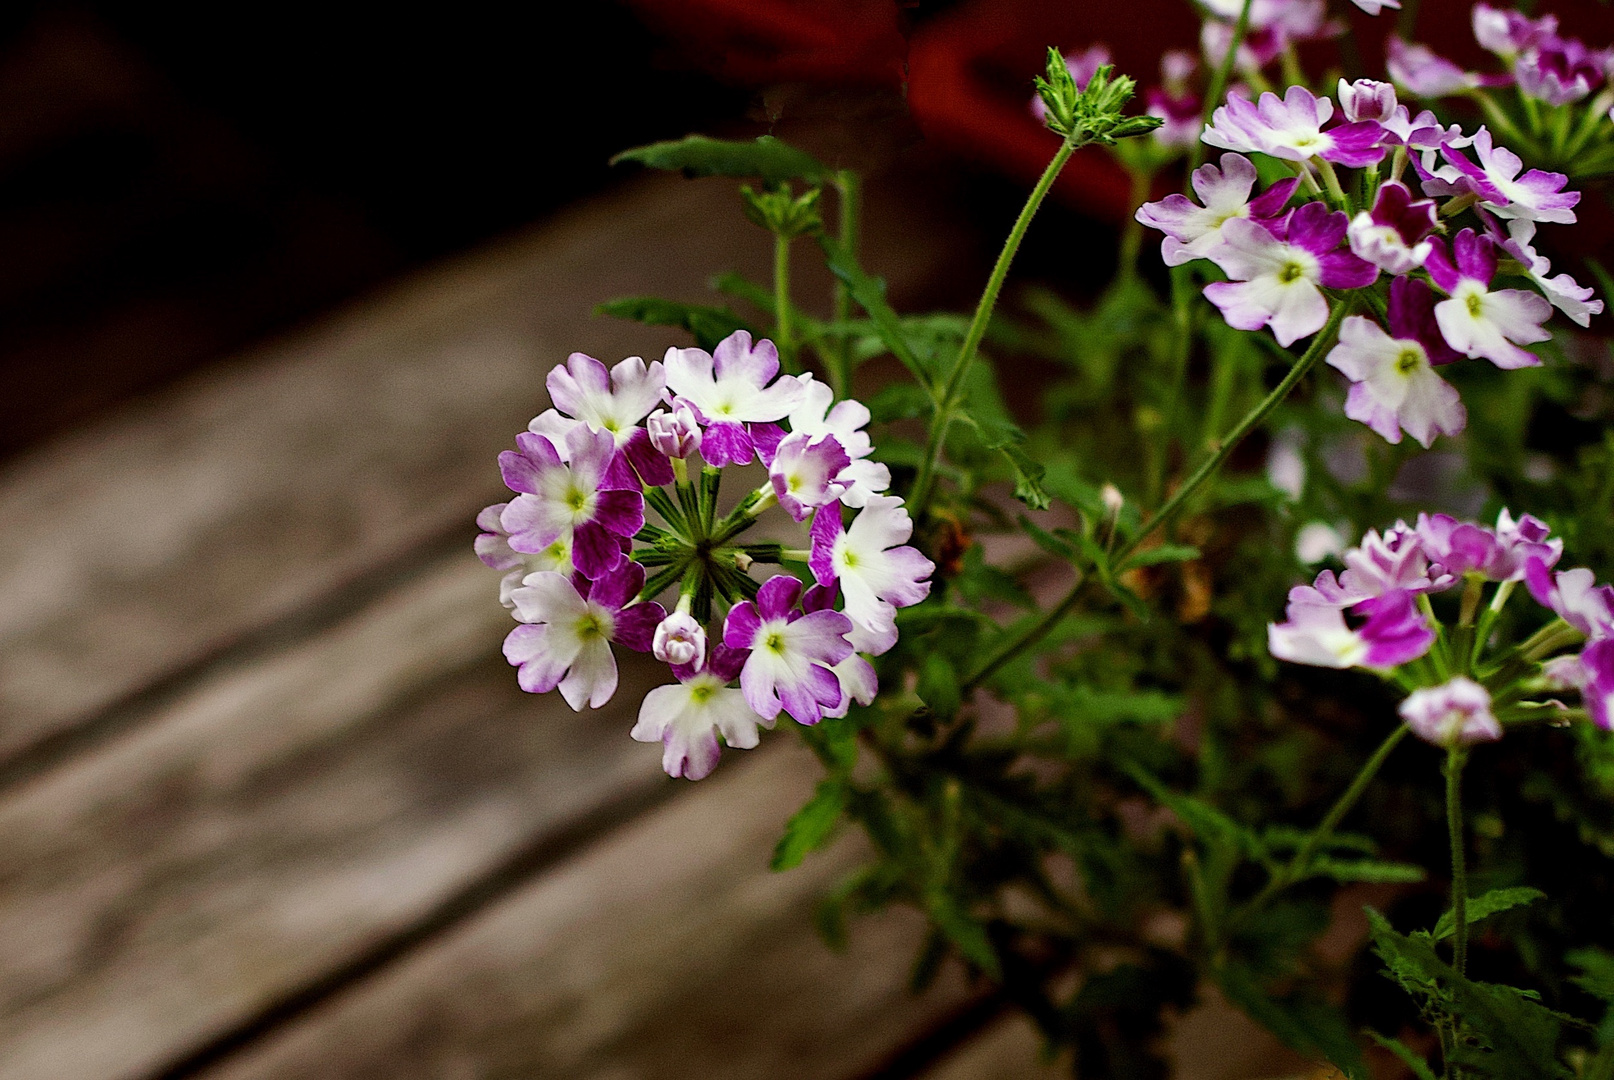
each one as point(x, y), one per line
point(758, 42)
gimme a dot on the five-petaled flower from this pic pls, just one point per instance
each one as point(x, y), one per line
point(567, 630)
point(1394, 384)
point(792, 653)
point(1477, 321)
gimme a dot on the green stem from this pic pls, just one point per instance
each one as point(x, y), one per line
point(1297, 866)
point(781, 302)
point(1219, 80)
point(947, 400)
point(1459, 867)
point(840, 372)
point(1132, 232)
point(1037, 630)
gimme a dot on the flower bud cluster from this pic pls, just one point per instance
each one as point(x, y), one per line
point(575, 545)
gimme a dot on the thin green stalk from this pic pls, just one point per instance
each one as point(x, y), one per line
point(947, 401)
point(1455, 758)
point(851, 202)
point(781, 302)
point(1407, 25)
point(1219, 80)
point(1132, 231)
point(1296, 867)
point(1037, 630)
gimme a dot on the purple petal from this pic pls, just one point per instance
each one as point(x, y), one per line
point(820, 597)
point(538, 670)
point(1475, 256)
point(651, 465)
point(766, 439)
point(1315, 228)
point(1344, 270)
point(571, 385)
point(619, 512)
point(725, 663)
point(636, 626)
point(523, 469)
point(614, 589)
point(619, 474)
point(1440, 266)
point(737, 358)
point(777, 597)
point(822, 636)
point(726, 443)
point(1271, 202)
point(825, 531)
point(1412, 316)
point(740, 629)
point(595, 551)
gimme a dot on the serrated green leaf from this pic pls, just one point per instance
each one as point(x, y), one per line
point(810, 827)
point(1302, 1022)
point(1491, 903)
point(709, 325)
point(1365, 870)
point(1202, 819)
point(869, 292)
point(766, 159)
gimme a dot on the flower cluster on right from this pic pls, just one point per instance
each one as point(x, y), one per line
point(1377, 614)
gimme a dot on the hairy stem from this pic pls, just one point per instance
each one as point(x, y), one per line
point(1455, 759)
point(1037, 630)
point(840, 367)
point(948, 399)
point(781, 302)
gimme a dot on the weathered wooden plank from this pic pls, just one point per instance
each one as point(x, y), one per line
point(1009, 1049)
point(667, 950)
point(280, 819)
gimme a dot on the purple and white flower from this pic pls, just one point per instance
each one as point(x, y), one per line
point(688, 716)
point(878, 572)
point(568, 627)
point(572, 499)
point(1560, 70)
point(731, 387)
point(805, 473)
point(1422, 132)
point(1574, 596)
point(1455, 713)
point(1277, 278)
point(858, 680)
point(1394, 384)
point(1562, 291)
point(1394, 632)
point(1292, 128)
point(613, 401)
point(1374, 7)
point(1501, 554)
point(1536, 195)
point(815, 418)
point(676, 434)
point(493, 548)
point(1367, 99)
point(792, 653)
point(1480, 322)
point(1394, 235)
point(1195, 232)
point(1381, 564)
point(1419, 70)
point(1507, 33)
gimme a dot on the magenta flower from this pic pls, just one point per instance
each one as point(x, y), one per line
point(730, 388)
point(1597, 690)
point(493, 548)
point(804, 473)
point(1421, 132)
point(1537, 195)
point(687, 718)
point(1508, 33)
point(878, 573)
point(1393, 633)
point(1574, 596)
point(1379, 565)
point(1424, 74)
point(572, 499)
point(856, 675)
point(1276, 277)
point(1501, 554)
point(1292, 129)
point(1394, 384)
point(1455, 713)
point(568, 628)
point(792, 652)
point(1394, 234)
point(1181, 115)
point(1559, 70)
point(1195, 232)
point(1563, 291)
point(1477, 321)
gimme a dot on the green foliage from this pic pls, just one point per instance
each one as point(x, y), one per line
point(767, 159)
point(811, 827)
point(1093, 113)
point(1483, 907)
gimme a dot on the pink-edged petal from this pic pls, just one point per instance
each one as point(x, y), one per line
point(726, 443)
point(741, 627)
point(777, 597)
point(636, 626)
point(826, 529)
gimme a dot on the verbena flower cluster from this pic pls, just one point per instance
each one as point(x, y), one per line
point(583, 568)
point(1376, 614)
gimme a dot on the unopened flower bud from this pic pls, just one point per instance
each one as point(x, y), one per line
point(1456, 712)
point(679, 639)
point(676, 434)
point(1113, 499)
point(1366, 99)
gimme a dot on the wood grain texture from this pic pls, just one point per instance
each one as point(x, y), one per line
point(281, 818)
point(666, 951)
point(242, 495)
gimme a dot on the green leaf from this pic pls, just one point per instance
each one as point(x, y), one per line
point(1005, 437)
point(1165, 553)
point(938, 685)
point(1373, 870)
point(1203, 819)
point(1420, 1068)
point(767, 159)
point(967, 935)
point(1596, 972)
point(810, 827)
point(869, 292)
point(710, 325)
point(1483, 907)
